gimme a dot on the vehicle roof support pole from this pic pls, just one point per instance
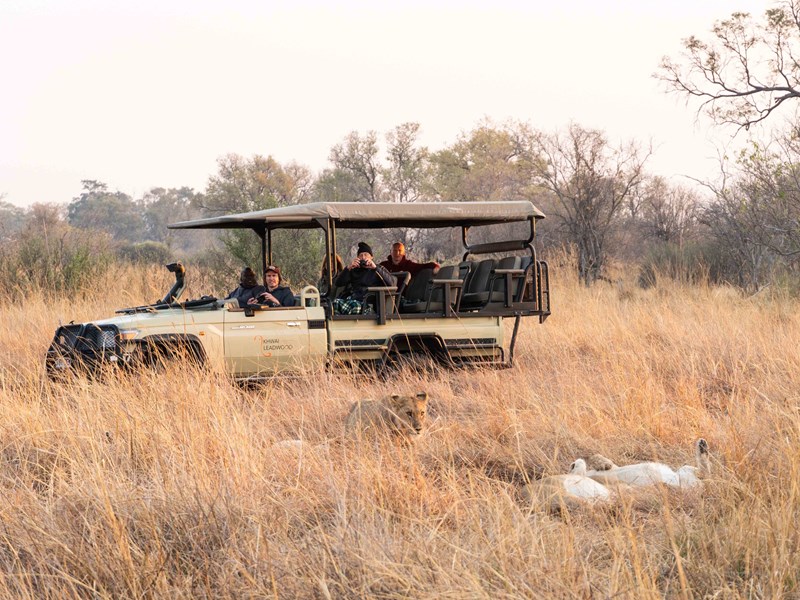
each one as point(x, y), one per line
point(332, 229)
point(261, 233)
point(263, 236)
point(334, 253)
point(330, 249)
point(513, 341)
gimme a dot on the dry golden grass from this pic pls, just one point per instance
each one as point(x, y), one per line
point(166, 485)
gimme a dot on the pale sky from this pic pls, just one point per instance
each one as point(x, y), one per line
point(148, 93)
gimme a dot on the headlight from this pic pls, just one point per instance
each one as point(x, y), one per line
point(128, 334)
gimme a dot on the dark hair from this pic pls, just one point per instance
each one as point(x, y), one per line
point(248, 278)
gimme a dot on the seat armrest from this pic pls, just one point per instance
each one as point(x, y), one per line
point(452, 294)
point(450, 282)
point(509, 271)
point(384, 293)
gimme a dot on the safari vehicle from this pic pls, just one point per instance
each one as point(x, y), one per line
point(455, 316)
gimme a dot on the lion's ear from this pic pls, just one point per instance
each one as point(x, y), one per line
point(423, 396)
point(395, 400)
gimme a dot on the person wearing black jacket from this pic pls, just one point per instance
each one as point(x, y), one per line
point(248, 289)
point(275, 294)
point(359, 275)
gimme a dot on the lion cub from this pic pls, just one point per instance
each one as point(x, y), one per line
point(399, 415)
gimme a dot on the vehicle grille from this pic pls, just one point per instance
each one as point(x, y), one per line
point(100, 338)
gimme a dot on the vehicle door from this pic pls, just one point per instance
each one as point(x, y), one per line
point(261, 340)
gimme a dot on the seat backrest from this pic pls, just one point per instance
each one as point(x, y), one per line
point(419, 284)
point(401, 281)
point(448, 272)
point(479, 280)
point(465, 270)
point(507, 262)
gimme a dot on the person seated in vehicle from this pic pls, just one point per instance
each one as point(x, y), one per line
point(359, 275)
point(248, 288)
point(275, 294)
point(323, 285)
point(397, 261)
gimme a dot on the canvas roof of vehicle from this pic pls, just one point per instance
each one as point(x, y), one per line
point(373, 215)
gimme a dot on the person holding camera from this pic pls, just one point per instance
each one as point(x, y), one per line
point(275, 294)
point(360, 274)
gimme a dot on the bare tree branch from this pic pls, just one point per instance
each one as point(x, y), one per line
point(746, 72)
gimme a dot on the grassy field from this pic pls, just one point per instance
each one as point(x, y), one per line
point(167, 486)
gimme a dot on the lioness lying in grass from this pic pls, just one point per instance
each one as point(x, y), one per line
point(398, 415)
point(651, 473)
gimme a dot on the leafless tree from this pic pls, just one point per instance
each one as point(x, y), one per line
point(772, 175)
point(667, 213)
point(747, 71)
point(737, 219)
point(591, 182)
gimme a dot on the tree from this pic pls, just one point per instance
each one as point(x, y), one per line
point(773, 177)
point(489, 163)
point(406, 170)
point(590, 183)
point(747, 71)
point(49, 255)
point(163, 206)
point(337, 185)
point(736, 220)
point(12, 219)
point(667, 213)
point(258, 183)
point(358, 156)
point(243, 185)
point(102, 210)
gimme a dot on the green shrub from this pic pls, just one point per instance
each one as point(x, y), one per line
point(148, 252)
point(53, 259)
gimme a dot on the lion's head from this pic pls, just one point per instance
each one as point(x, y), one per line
point(408, 412)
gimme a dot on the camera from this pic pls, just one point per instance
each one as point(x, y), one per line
point(362, 263)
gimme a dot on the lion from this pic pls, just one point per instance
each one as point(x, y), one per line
point(651, 473)
point(399, 415)
point(572, 491)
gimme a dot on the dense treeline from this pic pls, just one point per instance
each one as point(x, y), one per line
point(600, 201)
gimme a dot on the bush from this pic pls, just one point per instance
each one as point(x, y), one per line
point(148, 252)
point(54, 259)
point(687, 264)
